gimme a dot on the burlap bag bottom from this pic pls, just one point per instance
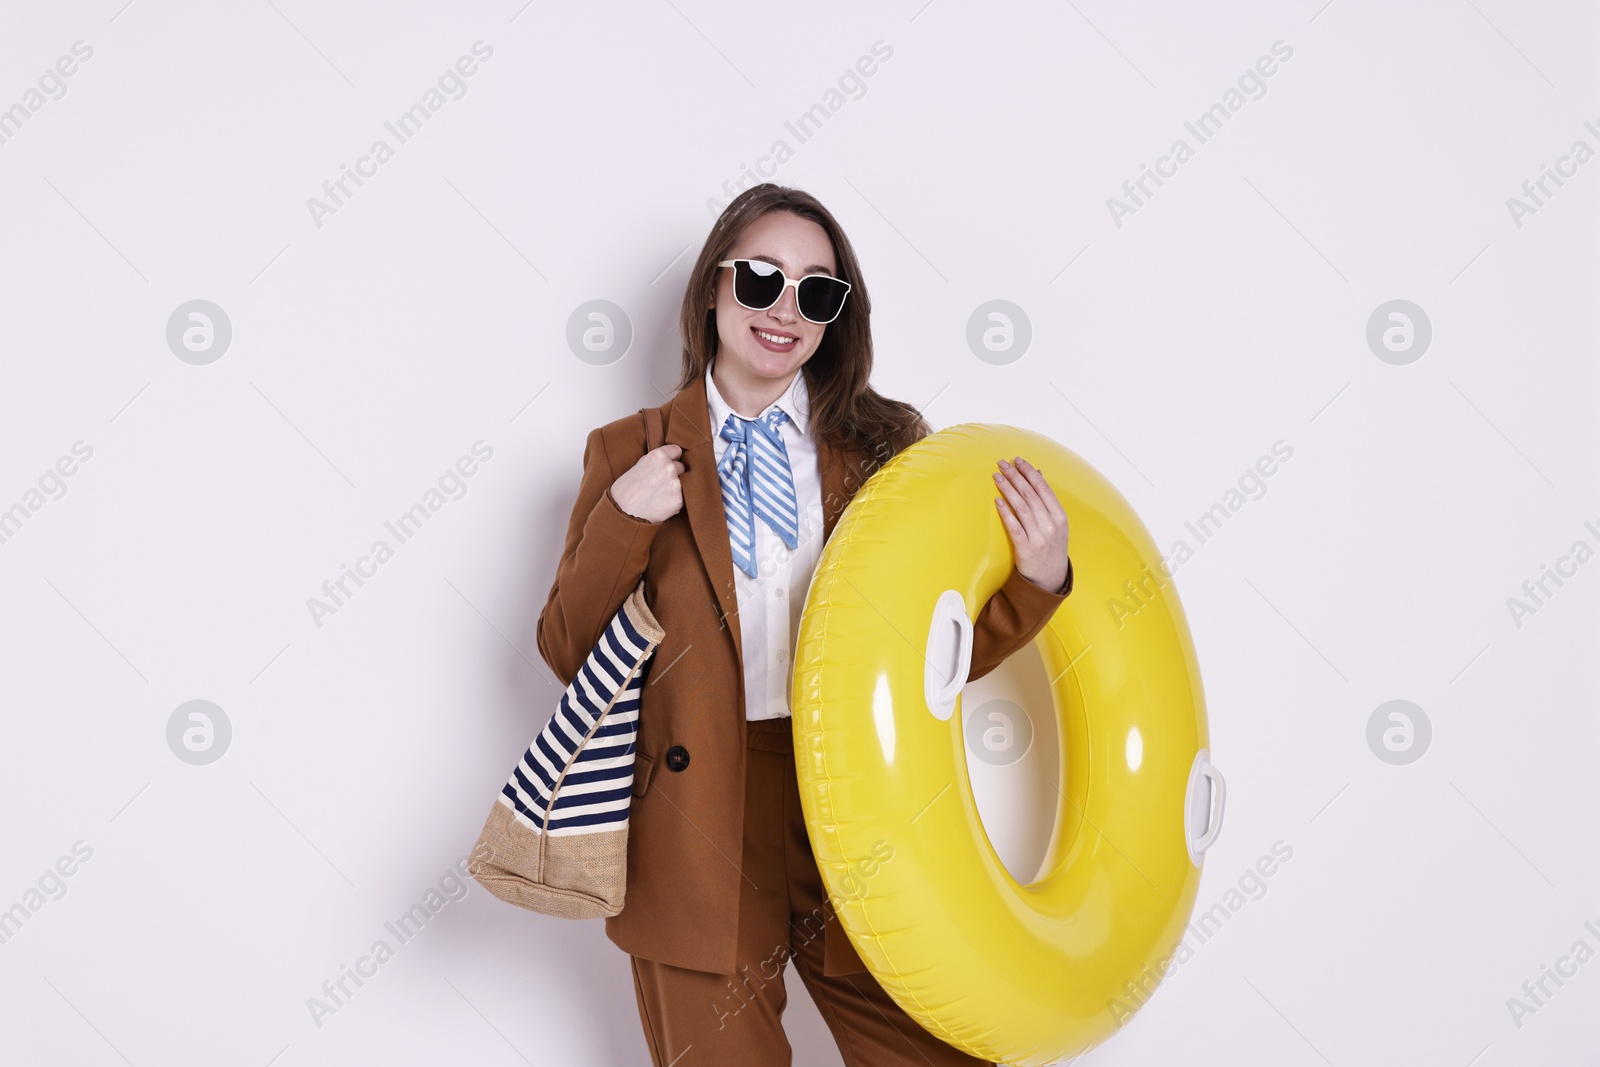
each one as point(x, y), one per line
point(582, 877)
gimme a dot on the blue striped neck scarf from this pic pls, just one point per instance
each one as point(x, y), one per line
point(757, 480)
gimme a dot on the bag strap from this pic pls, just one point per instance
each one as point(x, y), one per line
point(653, 437)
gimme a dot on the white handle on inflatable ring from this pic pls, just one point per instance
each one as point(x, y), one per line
point(940, 691)
point(1203, 809)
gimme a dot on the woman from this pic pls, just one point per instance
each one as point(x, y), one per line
point(772, 429)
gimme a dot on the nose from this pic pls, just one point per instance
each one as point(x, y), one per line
point(787, 309)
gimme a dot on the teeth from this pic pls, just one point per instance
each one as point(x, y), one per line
point(775, 339)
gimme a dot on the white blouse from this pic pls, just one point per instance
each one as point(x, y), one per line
point(770, 603)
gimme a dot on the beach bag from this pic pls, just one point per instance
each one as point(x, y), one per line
point(556, 839)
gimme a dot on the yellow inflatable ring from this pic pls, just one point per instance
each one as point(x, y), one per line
point(1020, 974)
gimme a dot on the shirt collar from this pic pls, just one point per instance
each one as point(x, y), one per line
point(795, 402)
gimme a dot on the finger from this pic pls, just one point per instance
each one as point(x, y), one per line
point(1052, 516)
point(1021, 547)
point(1025, 500)
point(1018, 535)
point(1028, 491)
point(1046, 519)
point(1021, 513)
point(1047, 495)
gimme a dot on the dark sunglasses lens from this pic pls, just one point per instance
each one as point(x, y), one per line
point(757, 291)
point(821, 299)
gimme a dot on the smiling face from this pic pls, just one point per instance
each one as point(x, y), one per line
point(798, 247)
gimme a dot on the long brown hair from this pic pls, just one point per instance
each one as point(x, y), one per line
point(845, 411)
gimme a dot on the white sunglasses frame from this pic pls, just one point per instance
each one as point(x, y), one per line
point(787, 282)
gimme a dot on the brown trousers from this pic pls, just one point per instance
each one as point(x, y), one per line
point(698, 1019)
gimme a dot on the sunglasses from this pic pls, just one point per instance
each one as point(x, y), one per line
point(758, 285)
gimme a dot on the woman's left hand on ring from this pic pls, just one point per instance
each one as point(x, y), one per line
point(1035, 521)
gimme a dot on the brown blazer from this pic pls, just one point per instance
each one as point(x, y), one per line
point(686, 824)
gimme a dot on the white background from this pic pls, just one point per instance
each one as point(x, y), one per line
point(429, 312)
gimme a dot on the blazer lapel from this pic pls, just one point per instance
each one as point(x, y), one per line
point(688, 425)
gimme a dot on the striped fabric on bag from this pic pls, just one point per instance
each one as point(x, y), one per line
point(584, 756)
